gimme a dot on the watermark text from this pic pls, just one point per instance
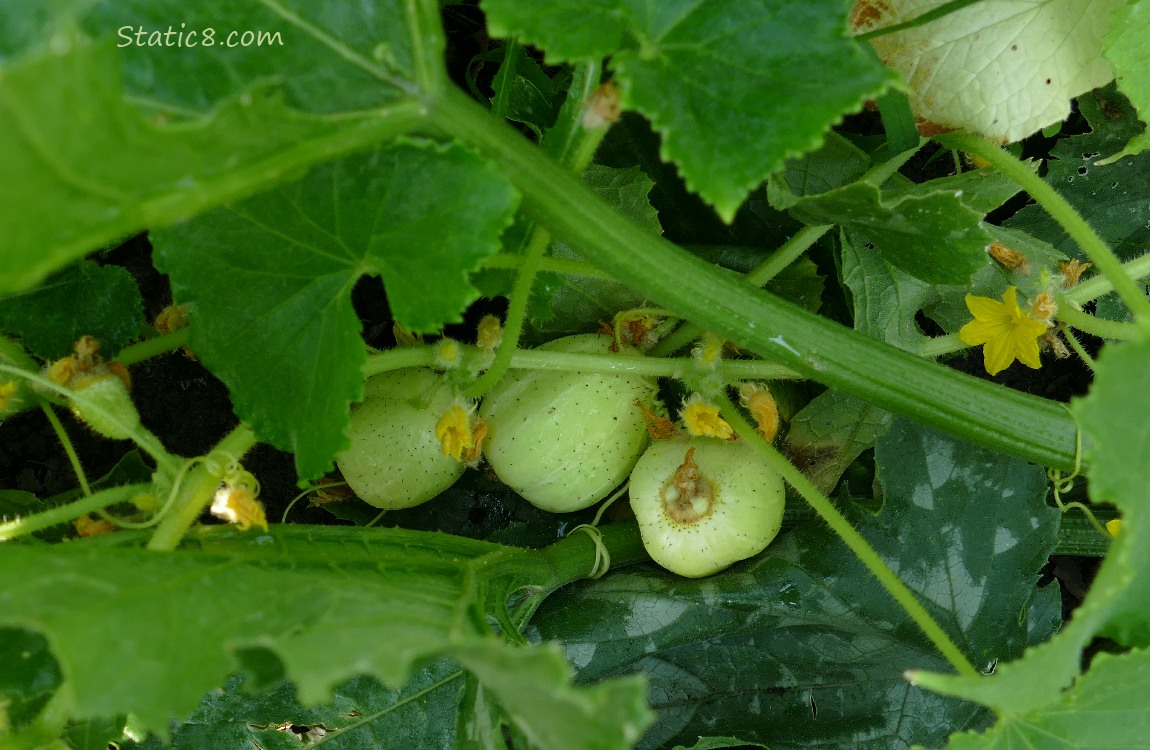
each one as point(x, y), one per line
point(138, 36)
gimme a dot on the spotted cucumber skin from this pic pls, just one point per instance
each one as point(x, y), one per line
point(565, 440)
point(394, 460)
point(747, 512)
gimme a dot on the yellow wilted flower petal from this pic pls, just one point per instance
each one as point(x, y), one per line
point(453, 430)
point(703, 420)
point(238, 505)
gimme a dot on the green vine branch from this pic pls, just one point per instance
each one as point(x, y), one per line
point(63, 514)
point(198, 488)
point(811, 346)
point(854, 540)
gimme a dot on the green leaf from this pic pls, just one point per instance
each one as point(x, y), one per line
point(981, 191)
point(29, 677)
point(325, 59)
point(1113, 428)
point(933, 236)
point(836, 163)
point(714, 743)
point(717, 125)
point(335, 610)
point(1117, 606)
point(104, 138)
point(800, 646)
point(1111, 197)
point(87, 300)
point(270, 279)
point(830, 432)
point(361, 714)
point(328, 603)
point(1003, 70)
point(533, 688)
point(1127, 49)
point(94, 734)
point(885, 298)
point(80, 166)
point(1106, 708)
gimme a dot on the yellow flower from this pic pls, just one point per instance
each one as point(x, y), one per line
point(1007, 332)
point(7, 391)
point(1114, 526)
point(703, 420)
point(454, 432)
point(238, 505)
point(759, 401)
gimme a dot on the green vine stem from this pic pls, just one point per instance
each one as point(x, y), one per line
point(529, 359)
point(1076, 345)
point(1095, 326)
point(62, 514)
point(812, 346)
point(66, 444)
point(516, 313)
point(153, 347)
point(198, 489)
point(854, 540)
point(1061, 211)
point(787, 253)
point(568, 266)
point(1096, 286)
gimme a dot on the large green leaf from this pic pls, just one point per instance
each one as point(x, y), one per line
point(1111, 197)
point(932, 235)
point(87, 300)
point(325, 57)
point(800, 646)
point(1004, 69)
point(270, 279)
point(701, 72)
point(326, 603)
point(1127, 49)
point(1107, 708)
point(1114, 428)
point(1113, 422)
point(98, 141)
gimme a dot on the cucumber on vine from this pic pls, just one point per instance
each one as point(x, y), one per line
point(395, 459)
point(705, 503)
point(564, 440)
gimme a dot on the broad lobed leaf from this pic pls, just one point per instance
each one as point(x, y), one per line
point(735, 88)
point(1115, 434)
point(101, 138)
point(1106, 708)
point(270, 279)
point(1004, 69)
point(322, 604)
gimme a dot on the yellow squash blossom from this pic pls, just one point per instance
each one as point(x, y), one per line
point(454, 431)
point(1007, 332)
point(703, 420)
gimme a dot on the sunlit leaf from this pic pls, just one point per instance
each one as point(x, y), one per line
point(1004, 69)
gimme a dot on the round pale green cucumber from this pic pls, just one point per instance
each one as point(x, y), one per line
point(564, 440)
point(395, 460)
point(704, 504)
